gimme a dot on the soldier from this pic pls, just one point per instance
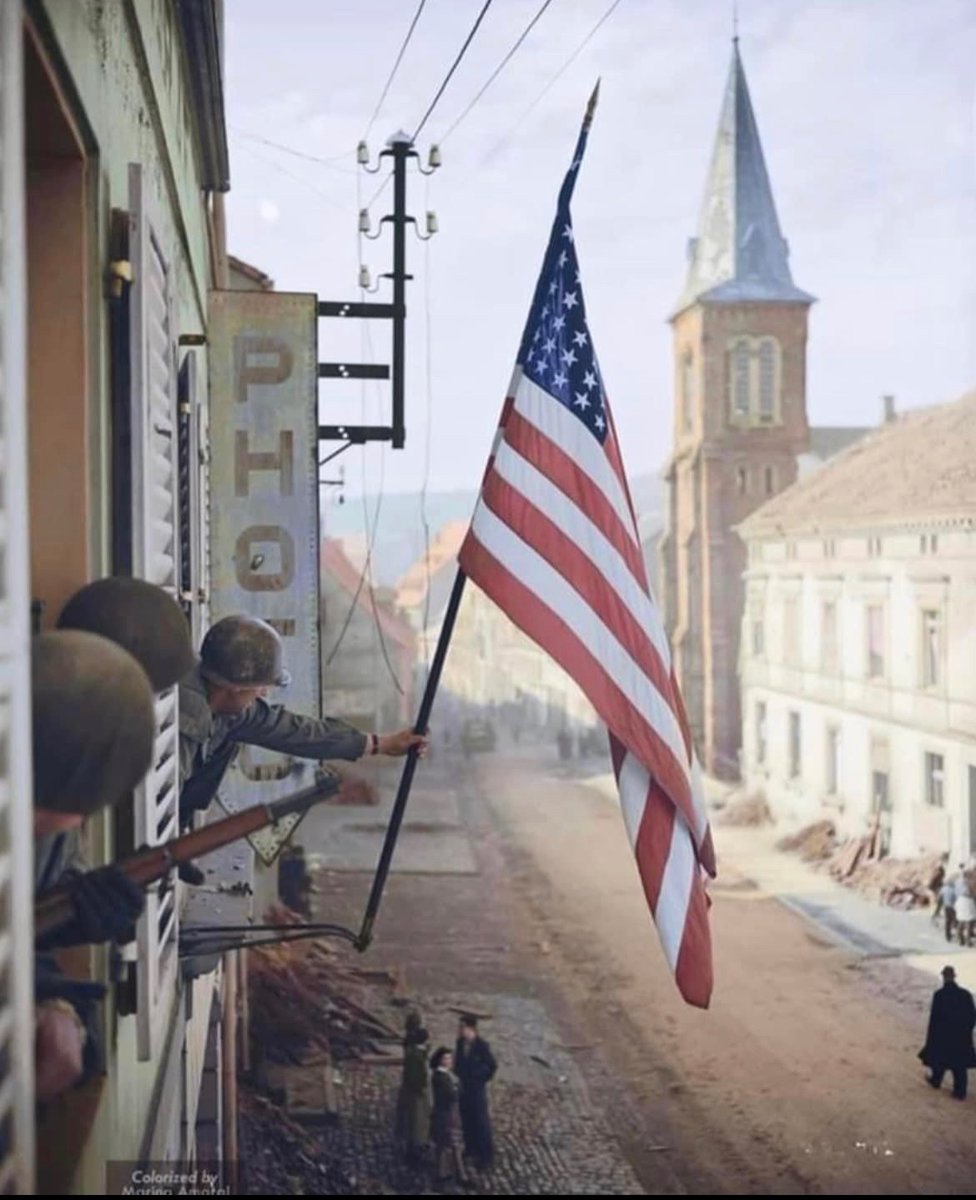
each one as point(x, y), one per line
point(93, 733)
point(222, 707)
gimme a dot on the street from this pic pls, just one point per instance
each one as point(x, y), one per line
point(802, 1078)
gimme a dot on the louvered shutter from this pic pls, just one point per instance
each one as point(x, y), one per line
point(16, 852)
point(155, 556)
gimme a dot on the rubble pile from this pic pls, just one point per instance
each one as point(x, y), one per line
point(281, 1158)
point(745, 809)
point(814, 843)
point(900, 883)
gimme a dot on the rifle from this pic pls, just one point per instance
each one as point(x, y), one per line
point(54, 909)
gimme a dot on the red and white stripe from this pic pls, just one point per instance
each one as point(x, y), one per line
point(554, 543)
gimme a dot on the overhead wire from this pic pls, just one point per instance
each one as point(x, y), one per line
point(315, 158)
point(498, 70)
point(555, 78)
point(396, 66)
point(454, 66)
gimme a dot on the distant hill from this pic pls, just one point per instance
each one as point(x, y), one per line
point(400, 535)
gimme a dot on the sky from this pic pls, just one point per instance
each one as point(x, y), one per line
point(866, 113)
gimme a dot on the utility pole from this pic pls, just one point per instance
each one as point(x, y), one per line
point(401, 150)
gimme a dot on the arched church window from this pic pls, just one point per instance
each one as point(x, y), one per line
point(767, 379)
point(687, 391)
point(740, 378)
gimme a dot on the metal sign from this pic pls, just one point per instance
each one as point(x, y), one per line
point(264, 515)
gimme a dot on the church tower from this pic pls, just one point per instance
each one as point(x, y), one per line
point(740, 421)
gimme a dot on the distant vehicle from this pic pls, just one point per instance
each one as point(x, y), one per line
point(593, 743)
point(477, 736)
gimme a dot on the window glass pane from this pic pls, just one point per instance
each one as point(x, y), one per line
point(767, 379)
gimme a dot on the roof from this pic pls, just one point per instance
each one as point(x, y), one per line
point(740, 252)
point(921, 467)
point(335, 563)
point(443, 551)
point(264, 282)
point(828, 440)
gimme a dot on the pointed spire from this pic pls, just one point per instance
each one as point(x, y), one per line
point(740, 252)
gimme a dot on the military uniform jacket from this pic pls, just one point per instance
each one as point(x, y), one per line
point(209, 743)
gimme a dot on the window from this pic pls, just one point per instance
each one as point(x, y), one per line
point(791, 631)
point(687, 390)
point(934, 543)
point(795, 747)
point(833, 760)
point(754, 380)
point(742, 481)
point(935, 780)
point(874, 547)
point(874, 621)
point(758, 636)
point(829, 549)
point(760, 731)
point(931, 647)
point(828, 637)
point(769, 480)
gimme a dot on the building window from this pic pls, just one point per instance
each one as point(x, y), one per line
point(874, 622)
point(829, 549)
point(742, 481)
point(931, 647)
point(760, 731)
point(791, 631)
point(769, 480)
point(828, 637)
point(740, 379)
point(758, 637)
point(874, 547)
point(754, 380)
point(935, 780)
point(687, 390)
point(795, 747)
point(833, 759)
point(767, 379)
point(934, 543)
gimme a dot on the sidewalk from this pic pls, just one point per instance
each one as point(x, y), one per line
point(848, 918)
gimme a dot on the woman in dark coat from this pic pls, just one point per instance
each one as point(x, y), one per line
point(413, 1103)
point(475, 1066)
point(444, 1117)
point(949, 1044)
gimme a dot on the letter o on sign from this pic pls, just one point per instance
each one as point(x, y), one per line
point(253, 580)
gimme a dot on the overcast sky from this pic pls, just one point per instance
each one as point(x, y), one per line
point(866, 113)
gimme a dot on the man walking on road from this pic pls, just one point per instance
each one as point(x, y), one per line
point(475, 1066)
point(949, 1044)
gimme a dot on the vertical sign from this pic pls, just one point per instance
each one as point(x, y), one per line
point(264, 515)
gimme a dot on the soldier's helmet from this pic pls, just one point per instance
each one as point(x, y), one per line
point(94, 721)
point(243, 651)
point(141, 618)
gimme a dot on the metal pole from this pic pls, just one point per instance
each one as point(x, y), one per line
point(401, 151)
point(406, 779)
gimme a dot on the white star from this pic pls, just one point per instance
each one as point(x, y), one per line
point(563, 258)
point(570, 300)
point(549, 345)
point(568, 232)
point(545, 312)
point(581, 400)
point(552, 287)
point(579, 338)
point(569, 357)
point(538, 334)
point(541, 365)
point(598, 422)
point(559, 380)
point(558, 323)
point(589, 379)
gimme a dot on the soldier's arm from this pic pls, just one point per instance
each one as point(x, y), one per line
point(277, 728)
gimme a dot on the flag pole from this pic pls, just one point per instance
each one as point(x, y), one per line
point(410, 765)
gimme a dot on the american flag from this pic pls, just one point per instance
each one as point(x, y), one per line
point(554, 543)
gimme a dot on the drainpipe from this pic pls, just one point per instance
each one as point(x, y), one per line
point(229, 1072)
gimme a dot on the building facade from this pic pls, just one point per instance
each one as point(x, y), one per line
point(858, 638)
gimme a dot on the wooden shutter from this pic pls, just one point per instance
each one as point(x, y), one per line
point(155, 556)
point(16, 836)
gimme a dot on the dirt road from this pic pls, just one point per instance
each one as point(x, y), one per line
point(802, 1077)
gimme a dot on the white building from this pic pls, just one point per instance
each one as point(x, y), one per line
point(859, 637)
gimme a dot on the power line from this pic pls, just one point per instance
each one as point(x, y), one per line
point(498, 70)
point(396, 66)
point(297, 178)
point(315, 158)
point(558, 75)
point(454, 66)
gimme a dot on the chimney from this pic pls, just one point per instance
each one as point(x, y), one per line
point(889, 409)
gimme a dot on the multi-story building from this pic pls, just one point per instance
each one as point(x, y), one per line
point(740, 419)
point(858, 638)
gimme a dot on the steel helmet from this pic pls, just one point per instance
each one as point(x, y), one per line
point(94, 721)
point(243, 651)
point(141, 618)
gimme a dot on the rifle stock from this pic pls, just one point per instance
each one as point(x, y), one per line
point(54, 909)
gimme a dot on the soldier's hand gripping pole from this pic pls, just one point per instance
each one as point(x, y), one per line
point(54, 909)
point(410, 765)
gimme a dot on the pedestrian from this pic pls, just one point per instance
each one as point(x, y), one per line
point(413, 1102)
point(936, 880)
point(949, 1044)
point(947, 898)
point(222, 707)
point(444, 1117)
point(965, 909)
point(475, 1067)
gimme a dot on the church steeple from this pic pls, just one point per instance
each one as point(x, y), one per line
point(740, 253)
